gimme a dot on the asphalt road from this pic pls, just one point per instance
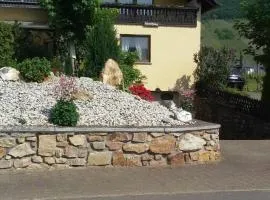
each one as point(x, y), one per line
point(243, 173)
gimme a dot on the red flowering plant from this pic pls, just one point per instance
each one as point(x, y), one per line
point(187, 99)
point(141, 91)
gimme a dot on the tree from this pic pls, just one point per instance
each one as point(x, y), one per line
point(257, 29)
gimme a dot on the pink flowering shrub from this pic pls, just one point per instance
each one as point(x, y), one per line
point(187, 99)
point(66, 88)
point(141, 91)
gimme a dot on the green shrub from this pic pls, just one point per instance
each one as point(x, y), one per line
point(34, 70)
point(213, 67)
point(224, 34)
point(64, 113)
point(6, 45)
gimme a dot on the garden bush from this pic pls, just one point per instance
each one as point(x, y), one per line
point(142, 92)
point(64, 113)
point(6, 45)
point(213, 67)
point(34, 70)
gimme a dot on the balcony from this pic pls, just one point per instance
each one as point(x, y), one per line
point(20, 3)
point(155, 15)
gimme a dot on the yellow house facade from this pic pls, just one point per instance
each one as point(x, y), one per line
point(165, 33)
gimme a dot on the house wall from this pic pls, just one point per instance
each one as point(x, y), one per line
point(172, 50)
point(169, 2)
point(23, 15)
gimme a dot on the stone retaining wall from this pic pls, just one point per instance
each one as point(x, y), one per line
point(118, 147)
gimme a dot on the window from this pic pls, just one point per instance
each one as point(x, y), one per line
point(139, 2)
point(137, 43)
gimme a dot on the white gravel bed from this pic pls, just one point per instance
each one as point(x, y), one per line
point(29, 104)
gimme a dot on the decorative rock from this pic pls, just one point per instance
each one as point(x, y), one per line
point(191, 143)
point(111, 73)
point(9, 74)
point(5, 164)
point(61, 137)
point(60, 160)
point(71, 152)
point(176, 159)
point(37, 159)
point(82, 153)
point(21, 150)
point(22, 163)
point(139, 137)
point(59, 152)
point(157, 134)
point(49, 160)
point(98, 145)
point(2, 152)
point(47, 145)
point(163, 145)
point(7, 142)
point(119, 137)
point(100, 158)
point(136, 148)
point(78, 140)
point(31, 139)
point(95, 138)
point(114, 146)
point(20, 140)
point(77, 162)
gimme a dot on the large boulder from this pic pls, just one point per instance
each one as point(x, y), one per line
point(111, 73)
point(9, 74)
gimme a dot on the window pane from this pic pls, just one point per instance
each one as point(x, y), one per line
point(108, 1)
point(137, 44)
point(125, 1)
point(144, 2)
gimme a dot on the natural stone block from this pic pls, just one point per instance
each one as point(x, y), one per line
point(204, 156)
point(190, 142)
point(135, 148)
point(214, 156)
point(133, 160)
point(176, 159)
point(95, 138)
point(3, 152)
point(36, 166)
point(60, 160)
point(22, 163)
point(187, 158)
point(8, 157)
point(60, 166)
point(71, 152)
point(59, 152)
point(62, 144)
point(7, 142)
point(61, 137)
point(31, 139)
point(114, 146)
point(82, 153)
point(121, 160)
point(118, 159)
point(5, 164)
point(98, 145)
point(21, 150)
point(119, 137)
point(163, 145)
point(33, 145)
point(139, 137)
point(207, 137)
point(77, 162)
point(49, 160)
point(47, 145)
point(78, 140)
point(158, 163)
point(177, 134)
point(158, 157)
point(20, 140)
point(37, 159)
point(100, 158)
point(146, 157)
point(157, 134)
point(194, 156)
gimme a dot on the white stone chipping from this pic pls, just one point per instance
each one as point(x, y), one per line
point(29, 104)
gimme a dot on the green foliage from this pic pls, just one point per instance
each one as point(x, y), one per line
point(131, 75)
point(64, 113)
point(6, 45)
point(236, 91)
point(34, 70)
point(224, 34)
point(213, 67)
point(256, 29)
point(101, 42)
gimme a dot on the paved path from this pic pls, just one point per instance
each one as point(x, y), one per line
point(245, 167)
